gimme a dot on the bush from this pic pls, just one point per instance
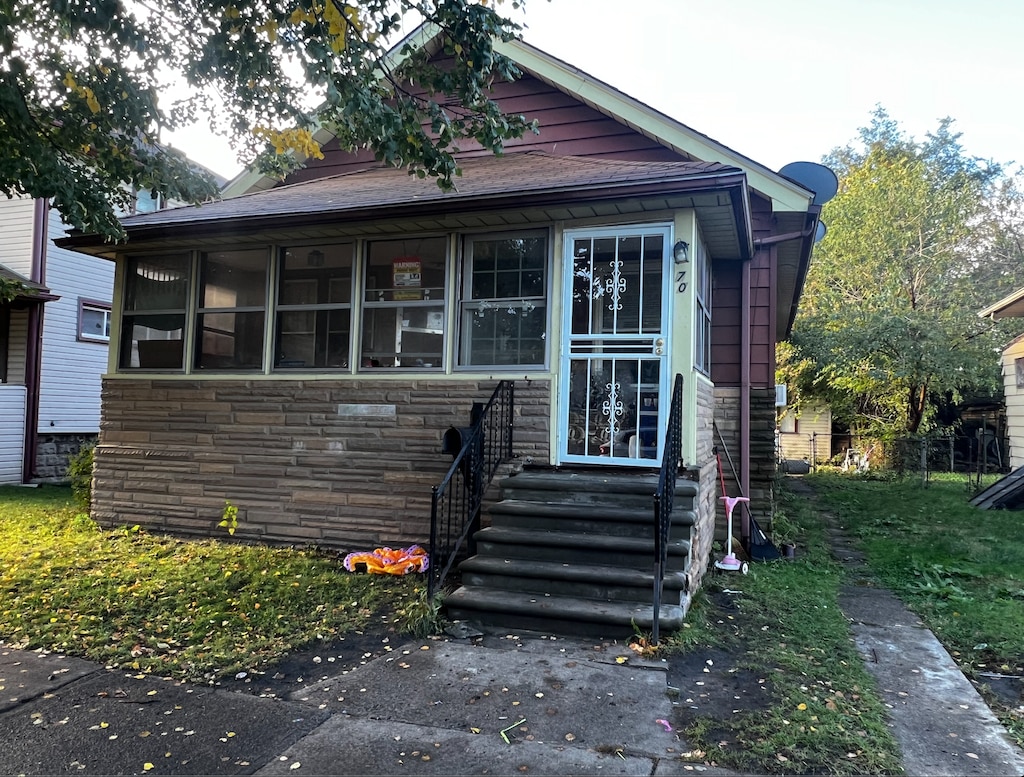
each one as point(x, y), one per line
point(80, 474)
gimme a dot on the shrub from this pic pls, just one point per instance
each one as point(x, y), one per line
point(80, 474)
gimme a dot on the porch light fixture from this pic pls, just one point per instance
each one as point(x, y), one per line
point(315, 258)
point(681, 252)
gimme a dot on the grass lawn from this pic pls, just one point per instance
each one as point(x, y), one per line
point(193, 610)
point(959, 568)
point(781, 625)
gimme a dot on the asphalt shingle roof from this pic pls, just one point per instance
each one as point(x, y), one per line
point(518, 174)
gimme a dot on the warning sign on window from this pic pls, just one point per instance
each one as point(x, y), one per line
point(407, 277)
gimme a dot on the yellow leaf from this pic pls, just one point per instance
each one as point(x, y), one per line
point(801, 706)
point(104, 725)
point(147, 766)
point(69, 81)
point(621, 659)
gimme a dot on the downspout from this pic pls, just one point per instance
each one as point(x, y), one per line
point(744, 474)
point(34, 346)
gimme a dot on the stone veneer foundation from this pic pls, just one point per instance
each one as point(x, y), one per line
point(345, 464)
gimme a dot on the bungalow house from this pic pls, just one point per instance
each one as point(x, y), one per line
point(301, 348)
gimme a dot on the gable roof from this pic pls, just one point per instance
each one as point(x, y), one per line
point(1010, 306)
point(786, 196)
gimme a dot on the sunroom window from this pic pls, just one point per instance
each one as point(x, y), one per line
point(702, 324)
point(232, 309)
point(314, 307)
point(155, 301)
point(503, 311)
point(403, 303)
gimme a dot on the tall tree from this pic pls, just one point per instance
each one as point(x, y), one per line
point(80, 80)
point(888, 322)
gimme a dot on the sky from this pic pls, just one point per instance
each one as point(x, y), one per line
point(786, 80)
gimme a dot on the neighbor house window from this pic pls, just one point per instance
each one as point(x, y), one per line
point(702, 324)
point(232, 310)
point(155, 301)
point(503, 310)
point(93, 321)
point(314, 307)
point(403, 303)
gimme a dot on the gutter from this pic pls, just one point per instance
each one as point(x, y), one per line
point(34, 343)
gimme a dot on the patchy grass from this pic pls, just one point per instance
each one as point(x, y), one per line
point(188, 609)
point(786, 630)
point(959, 568)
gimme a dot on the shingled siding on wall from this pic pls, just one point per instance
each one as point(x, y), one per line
point(345, 464)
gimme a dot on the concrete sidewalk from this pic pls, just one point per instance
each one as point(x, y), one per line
point(502, 706)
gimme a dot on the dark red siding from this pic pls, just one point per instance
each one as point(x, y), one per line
point(727, 312)
point(567, 127)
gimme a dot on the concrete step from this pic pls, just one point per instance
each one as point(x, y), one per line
point(553, 578)
point(500, 610)
point(578, 548)
point(605, 487)
point(620, 521)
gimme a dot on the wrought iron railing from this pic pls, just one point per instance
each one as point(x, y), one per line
point(664, 498)
point(456, 500)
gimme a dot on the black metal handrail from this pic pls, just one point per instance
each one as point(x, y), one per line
point(664, 497)
point(456, 501)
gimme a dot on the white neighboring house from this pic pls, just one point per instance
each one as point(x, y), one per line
point(49, 394)
point(1012, 361)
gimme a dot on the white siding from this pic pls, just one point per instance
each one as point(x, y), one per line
point(69, 400)
point(1014, 402)
point(813, 435)
point(16, 348)
point(16, 234)
point(12, 432)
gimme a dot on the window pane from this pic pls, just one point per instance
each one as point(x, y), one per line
point(503, 316)
point(152, 341)
point(157, 283)
point(314, 338)
point(403, 337)
point(508, 334)
point(229, 341)
point(233, 279)
point(406, 270)
point(95, 323)
point(404, 316)
point(318, 274)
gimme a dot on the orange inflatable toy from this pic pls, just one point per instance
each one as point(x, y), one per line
point(385, 561)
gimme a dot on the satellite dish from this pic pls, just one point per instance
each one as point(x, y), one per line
point(814, 177)
point(819, 232)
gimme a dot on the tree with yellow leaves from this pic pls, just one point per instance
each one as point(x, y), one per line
point(81, 117)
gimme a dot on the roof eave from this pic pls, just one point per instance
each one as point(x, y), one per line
point(732, 181)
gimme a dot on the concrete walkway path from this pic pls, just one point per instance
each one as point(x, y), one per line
point(939, 719)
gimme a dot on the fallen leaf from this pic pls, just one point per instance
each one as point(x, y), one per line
point(570, 737)
point(621, 659)
point(147, 766)
point(801, 706)
point(295, 766)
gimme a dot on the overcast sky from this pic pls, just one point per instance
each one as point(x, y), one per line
point(786, 80)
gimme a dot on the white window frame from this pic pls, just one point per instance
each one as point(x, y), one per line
point(469, 305)
point(94, 306)
point(702, 310)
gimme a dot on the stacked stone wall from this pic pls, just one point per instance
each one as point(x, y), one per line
point(54, 453)
point(345, 464)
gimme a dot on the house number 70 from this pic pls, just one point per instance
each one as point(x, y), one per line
point(681, 281)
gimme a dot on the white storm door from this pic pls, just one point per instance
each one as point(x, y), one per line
point(614, 370)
